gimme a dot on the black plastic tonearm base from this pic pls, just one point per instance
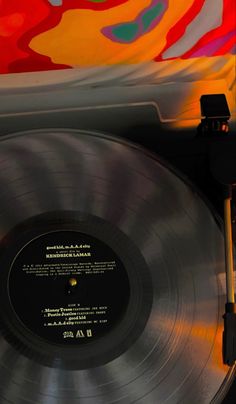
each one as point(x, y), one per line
point(229, 334)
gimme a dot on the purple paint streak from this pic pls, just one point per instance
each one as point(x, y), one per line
point(233, 50)
point(212, 47)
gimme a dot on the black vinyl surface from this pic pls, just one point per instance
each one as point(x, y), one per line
point(190, 155)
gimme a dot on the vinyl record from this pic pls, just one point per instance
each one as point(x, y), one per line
point(111, 275)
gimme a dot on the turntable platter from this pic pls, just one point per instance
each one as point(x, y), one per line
point(110, 276)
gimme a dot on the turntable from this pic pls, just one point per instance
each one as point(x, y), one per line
point(112, 247)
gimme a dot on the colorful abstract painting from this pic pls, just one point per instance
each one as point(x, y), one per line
point(57, 34)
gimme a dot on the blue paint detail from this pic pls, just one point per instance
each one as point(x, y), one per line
point(56, 2)
point(126, 32)
point(151, 15)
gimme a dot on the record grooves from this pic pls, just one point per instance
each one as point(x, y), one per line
point(110, 276)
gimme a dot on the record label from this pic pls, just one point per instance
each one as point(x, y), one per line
point(68, 287)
